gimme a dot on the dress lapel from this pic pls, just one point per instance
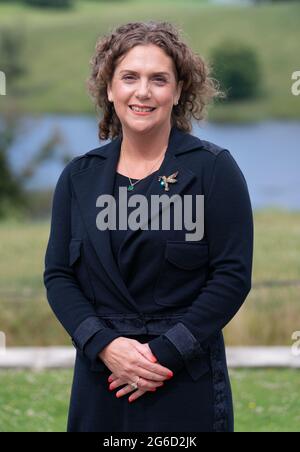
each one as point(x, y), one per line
point(89, 184)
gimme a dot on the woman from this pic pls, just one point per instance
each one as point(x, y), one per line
point(145, 303)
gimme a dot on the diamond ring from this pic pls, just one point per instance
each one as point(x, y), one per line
point(134, 385)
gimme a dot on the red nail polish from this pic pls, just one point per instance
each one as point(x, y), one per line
point(130, 400)
point(111, 389)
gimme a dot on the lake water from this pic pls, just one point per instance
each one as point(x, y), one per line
point(268, 153)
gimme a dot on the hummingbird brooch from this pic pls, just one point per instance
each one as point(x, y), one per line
point(166, 180)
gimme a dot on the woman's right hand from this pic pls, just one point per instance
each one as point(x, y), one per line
point(128, 359)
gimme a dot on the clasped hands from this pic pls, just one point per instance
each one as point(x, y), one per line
point(129, 359)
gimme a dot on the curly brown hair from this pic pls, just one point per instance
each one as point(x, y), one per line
point(198, 87)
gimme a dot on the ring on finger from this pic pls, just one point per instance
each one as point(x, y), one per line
point(134, 384)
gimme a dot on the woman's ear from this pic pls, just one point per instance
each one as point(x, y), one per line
point(109, 93)
point(179, 89)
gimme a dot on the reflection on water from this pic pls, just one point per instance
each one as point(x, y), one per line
point(268, 153)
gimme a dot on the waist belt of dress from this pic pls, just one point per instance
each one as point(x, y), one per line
point(140, 323)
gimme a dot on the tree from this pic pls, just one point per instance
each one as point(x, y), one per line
point(12, 53)
point(237, 68)
point(13, 196)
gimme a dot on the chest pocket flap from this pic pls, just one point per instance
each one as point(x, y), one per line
point(187, 255)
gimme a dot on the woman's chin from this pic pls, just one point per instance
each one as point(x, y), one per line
point(141, 126)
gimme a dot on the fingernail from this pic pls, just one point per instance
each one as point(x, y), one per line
point(154, 389)
point(154, 359)
point(130, 400)
point(110, 388)
point(170, 375)
point(109, 379)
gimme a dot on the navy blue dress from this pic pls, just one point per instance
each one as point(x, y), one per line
point(160, 411)
point(157, 284)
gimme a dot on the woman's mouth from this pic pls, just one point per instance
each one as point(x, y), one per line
point(141, 111)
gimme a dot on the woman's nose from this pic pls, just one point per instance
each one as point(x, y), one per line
point(143, 90)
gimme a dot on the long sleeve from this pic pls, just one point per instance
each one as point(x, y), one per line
point(71, 307)
point(166, 353)
point(228, 224)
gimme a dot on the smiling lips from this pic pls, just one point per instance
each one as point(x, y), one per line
point(141, 110)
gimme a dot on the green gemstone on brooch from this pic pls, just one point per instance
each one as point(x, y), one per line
point(130, 187)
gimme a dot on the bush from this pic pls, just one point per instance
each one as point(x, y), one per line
point(237, 68)
point(63, 4)
point(12, 53)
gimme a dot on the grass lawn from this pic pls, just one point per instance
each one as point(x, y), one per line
point(265, 400)
point(268, 317)
point(59, 45)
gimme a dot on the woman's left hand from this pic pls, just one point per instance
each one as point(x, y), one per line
point(115, 382)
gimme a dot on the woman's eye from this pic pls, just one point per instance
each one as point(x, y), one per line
point(130, 77)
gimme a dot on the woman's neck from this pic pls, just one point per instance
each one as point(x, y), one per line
point(142, 154)
point(144, 148)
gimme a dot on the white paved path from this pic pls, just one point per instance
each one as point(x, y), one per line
point(63, 357)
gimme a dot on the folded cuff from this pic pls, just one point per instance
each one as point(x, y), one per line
point(166, 354)
point(196, 360)
point(184, 341)
point(96, 344)
point(86, 329)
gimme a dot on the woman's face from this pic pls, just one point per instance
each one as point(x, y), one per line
point(144, 77)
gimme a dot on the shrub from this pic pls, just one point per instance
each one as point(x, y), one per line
point(63, 4)
point(237, 68)
point(12, 58)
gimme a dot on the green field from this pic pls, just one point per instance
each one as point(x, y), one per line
point(58, 47)
point(269, 316)
point(265, 400)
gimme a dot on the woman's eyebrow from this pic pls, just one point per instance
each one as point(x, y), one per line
point(153, 73)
